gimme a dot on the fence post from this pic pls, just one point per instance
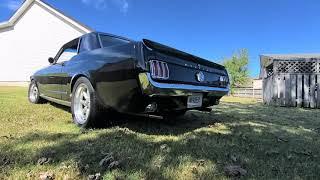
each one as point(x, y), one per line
point(312, 91)
point(253, 92)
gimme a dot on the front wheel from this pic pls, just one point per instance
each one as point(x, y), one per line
point(34, 93)
point(85, 106)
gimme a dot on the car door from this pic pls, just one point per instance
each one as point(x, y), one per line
point(69, 69)
point(51, 83)
point(51, 80)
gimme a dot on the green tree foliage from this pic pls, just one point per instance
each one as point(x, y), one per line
point(237, 67)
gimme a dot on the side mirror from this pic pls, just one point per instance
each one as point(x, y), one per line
point(51, 60)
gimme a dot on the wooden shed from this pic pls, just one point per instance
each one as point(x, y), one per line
point(291, 80)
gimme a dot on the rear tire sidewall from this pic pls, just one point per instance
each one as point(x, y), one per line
point(92, 119)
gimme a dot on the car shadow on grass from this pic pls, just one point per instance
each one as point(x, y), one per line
point(263, 140)
point(173, 126)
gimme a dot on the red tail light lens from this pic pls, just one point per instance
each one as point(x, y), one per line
point(159, 69)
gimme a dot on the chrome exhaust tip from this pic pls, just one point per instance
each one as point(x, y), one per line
point(151, 107)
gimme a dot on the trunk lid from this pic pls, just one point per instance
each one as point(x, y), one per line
point(184, 68)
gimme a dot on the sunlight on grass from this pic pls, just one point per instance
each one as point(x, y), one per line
point(269, 142)
point(234, 99)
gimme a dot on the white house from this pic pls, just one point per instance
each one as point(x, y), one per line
point(35, 32)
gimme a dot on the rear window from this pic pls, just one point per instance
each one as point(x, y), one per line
point(108, 41)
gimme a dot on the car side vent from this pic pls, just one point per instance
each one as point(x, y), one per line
point(159, 69)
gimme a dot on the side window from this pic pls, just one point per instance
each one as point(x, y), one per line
point(89, 42)
point(67, 51)
point(108, 41)
point(67, 54)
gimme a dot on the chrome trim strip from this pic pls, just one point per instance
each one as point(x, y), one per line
point(58, 101)
point(185, 86)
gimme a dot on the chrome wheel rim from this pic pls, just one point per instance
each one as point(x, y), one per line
point(33, 94)
point(81, 104)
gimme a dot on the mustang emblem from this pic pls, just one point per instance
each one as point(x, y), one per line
point(200, 76)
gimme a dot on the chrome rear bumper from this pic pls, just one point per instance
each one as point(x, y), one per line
point(153, 88)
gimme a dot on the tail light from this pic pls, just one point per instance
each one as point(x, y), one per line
point(159, 69)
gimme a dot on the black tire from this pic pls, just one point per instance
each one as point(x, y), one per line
point(93, 119)
point(34, 93)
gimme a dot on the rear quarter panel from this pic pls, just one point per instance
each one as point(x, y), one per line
point(112, 72)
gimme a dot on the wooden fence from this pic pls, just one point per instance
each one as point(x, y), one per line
point(293, 90)
point(248, 92)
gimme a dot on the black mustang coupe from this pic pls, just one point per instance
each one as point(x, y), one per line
point(98, 73)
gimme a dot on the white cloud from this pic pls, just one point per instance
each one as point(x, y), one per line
point(122, 5)
point(11, 4)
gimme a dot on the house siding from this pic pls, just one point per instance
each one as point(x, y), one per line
point(25, 47)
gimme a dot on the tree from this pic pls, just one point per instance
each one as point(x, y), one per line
point(237, 67)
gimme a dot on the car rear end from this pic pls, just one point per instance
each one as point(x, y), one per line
point(177, 81)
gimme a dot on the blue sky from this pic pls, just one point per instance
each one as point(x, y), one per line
point(213, 29)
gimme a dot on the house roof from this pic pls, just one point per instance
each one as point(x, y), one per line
point(28, 3)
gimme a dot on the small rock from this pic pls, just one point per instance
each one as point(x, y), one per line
point(46, 176)
point(210, 126)
point(91, 177)
point(44, 160)
point(235, 171)
point(96, 176)
point(114, 165)
point(165, 148)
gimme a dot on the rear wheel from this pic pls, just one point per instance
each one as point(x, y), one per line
point(85, 106)
point(34, 94)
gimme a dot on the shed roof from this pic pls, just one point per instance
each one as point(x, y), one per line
point(268, 59)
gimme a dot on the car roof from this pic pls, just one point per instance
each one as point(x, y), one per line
point(111, 35)
point(97, 33)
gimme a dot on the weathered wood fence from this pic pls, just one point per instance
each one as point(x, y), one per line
point(248, 92)
point(293, 90)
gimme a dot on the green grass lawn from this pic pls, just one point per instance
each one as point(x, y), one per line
point(268, 142)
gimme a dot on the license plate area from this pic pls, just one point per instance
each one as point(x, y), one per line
point(194, 101)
